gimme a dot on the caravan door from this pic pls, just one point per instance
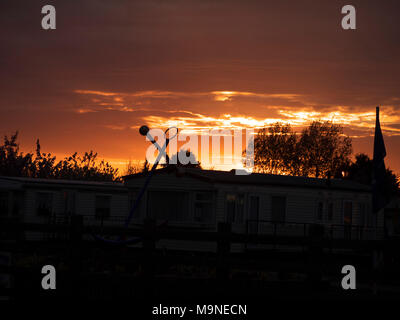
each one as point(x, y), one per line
point(253, 214)
point(347, 218)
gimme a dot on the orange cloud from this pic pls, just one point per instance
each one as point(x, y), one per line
point(228, 95)
point(162, 108)
point(84, 110)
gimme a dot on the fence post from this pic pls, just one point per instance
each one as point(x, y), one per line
point(223, 250)
point(247, 235)
point(148, 255)
point(315, 254)
point(75, 254)
point(76, 229)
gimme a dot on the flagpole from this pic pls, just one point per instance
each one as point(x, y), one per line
point(377, 123)
point(378, 197)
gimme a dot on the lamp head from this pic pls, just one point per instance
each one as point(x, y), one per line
point(144, 130)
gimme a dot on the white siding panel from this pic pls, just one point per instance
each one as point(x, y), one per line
point(169, 181)
point(119, 205)
point(85, 203)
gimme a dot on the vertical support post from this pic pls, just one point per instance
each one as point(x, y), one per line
point(75, 254)
point(76, 229)
point(148, 255)
point(247, 235)
point(315, 255)
point(377, 267)
point(223, 250)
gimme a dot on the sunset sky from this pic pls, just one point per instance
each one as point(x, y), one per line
point(111, 66)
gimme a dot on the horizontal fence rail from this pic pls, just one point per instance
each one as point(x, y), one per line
point(72, 240)
point(301, 229)
point(267, 232)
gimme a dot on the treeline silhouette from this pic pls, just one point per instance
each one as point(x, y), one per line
point(15, 163)
point(174, 160)
point(361, 171)
point(320, 150)
point(44, 165)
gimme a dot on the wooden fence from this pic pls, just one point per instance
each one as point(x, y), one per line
point(77, 236)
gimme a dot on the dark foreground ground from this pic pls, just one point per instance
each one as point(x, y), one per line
point(304, 269)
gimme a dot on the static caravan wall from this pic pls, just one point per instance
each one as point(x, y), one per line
point(166, 183)
point(85, 204)
point(30, 197)
point(303, 206)
point(169, 182)
point(301, 203)
point(30, 214)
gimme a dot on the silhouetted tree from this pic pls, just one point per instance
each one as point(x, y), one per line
point(275, 150)
point(133, 168)
point(184, 158)
point(321, 150)
point(43, 165)
point(85, 168)
point(361, 171)
point(12, 161)
point(146, 166)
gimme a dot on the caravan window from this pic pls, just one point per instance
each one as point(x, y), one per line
point(234, 208)
point(44, 203)
point(330, 211)
point(132, 198)
point(3, 203)
point(347, 212)
point(362, 217)
point(18, 200)
point(169, 205)
point(278, 208)
point(253, 215)
point(203, 207)
point(320, 210)
point(69, 202)
point(103, 207)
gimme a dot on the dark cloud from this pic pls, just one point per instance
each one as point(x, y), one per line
point(190, 49)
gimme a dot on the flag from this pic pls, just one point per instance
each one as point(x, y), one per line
point(379, 171)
